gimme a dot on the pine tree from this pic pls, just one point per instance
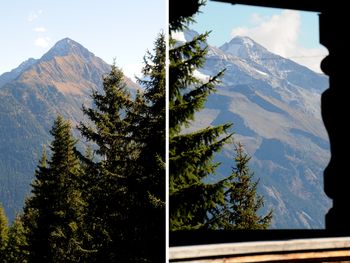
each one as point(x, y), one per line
point(192, 200)
point(110, 202)
point(16, 250)
point(54, 213)
point(3, 233)
point(242, 201)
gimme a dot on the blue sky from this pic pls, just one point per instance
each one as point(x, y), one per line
point(118, 29)
point(291, 34)
point(126, 29)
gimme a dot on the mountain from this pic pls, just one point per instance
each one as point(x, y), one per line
point(13, 74)
point(32, 95)
point(274, 104)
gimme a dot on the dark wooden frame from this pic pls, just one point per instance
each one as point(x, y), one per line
point(333, 19)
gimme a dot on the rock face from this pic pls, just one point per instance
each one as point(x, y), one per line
point(32, 95)
point(274, 104)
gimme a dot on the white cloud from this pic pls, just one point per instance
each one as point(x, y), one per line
point(40, 29)
point(256, 18)
point(42, 42)
point(34, 15)
point(280, 34)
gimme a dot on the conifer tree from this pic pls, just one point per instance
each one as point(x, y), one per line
point(192, 200)
point(195, 203)
point(3, 233)
point(129, 180)
point(16, 250)
point(242, 201)
point(54, 213)
point(149, 135)
point(34, 206)
point(109, 206)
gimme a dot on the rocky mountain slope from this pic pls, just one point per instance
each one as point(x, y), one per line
point(60, 82)
point(274, 104)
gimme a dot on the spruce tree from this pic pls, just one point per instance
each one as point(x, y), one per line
point(192, 200)
point(54, 213)
point(110, 202)
point(3, 233)
point(149, 135)
point(34, 206)
point(16, 250)
point(128, 189)
point(242, 201)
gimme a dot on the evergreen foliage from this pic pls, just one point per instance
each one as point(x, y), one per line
point(149, 171)
point(181, 12)
point(109, 200)
point(17, 247)
point(152, 124)
point(195, 201)
point(109, 204)
point(126, 186)
point(192, 200)
point(54, 213)
point(242, 201)
point(3, 233)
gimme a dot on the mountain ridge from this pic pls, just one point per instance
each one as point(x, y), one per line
point(67, 46)
point(60, 82)
point(274, 105)
point(14, 73)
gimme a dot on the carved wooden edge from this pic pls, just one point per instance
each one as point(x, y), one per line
point(266, 251)
point(323, 256)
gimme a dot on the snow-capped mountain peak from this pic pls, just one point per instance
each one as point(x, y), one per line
point(274, 104)
point(245, 48)
point(183, 36)
point(238, 43)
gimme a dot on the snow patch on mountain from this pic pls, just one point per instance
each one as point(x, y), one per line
point(274, 104)
point(201, 76)
point(178, 36)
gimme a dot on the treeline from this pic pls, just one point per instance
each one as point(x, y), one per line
point(107, 204)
